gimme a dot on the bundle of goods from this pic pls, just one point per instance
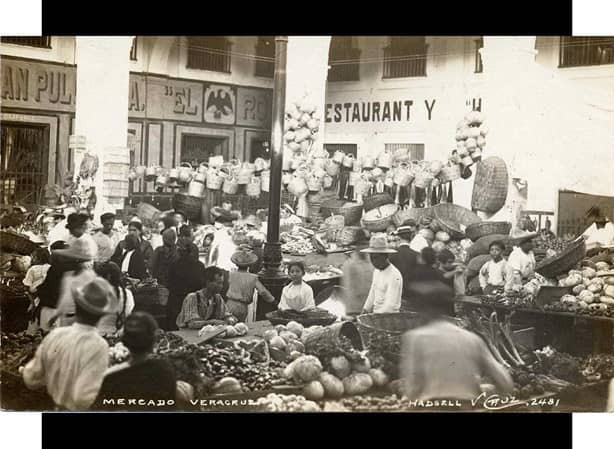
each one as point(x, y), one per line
point(470, 139)
point(319, 272)
point(301, 125)
point(286, 403)
point(299, 243)
point(18, 349)
point(14, 264)
point(16, 243)
point(592, 291)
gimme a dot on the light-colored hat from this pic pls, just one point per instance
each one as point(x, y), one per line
point(378, 244)
point(243, 258)
point(525, 238)
point(97, 297)
point(404, 230)
point(80, 249)
point(252, 220)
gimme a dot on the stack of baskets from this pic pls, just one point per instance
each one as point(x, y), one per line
point(378, 219)
point(351, 212)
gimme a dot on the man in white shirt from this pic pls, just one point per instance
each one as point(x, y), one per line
point(387, 285)
point(71, 361)
point(601, 232)
point(520, 266)
point(106, 239)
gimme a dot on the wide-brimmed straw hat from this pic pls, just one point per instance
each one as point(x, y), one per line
point(378, 244)
point(525, 238)
point(79, 249)
point(96, 297)
point(243, 258)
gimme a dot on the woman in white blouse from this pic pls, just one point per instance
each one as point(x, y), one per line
point(297, 295)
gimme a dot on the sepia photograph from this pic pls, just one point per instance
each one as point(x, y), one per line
point(360, 223)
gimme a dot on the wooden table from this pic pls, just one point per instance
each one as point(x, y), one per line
point(255, 330)
point(602, 327)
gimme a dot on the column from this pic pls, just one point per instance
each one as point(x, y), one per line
point(102, 97)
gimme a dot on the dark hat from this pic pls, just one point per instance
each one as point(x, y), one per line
point(404, 230)
point(107, 216)
point(410, 222)
point(75, 220)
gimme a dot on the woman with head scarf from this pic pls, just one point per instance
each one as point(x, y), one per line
point(164, 256)
point(185, 276)
point(111, 324)
point(130, 259)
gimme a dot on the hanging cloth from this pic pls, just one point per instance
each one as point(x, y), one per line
point(450, 195)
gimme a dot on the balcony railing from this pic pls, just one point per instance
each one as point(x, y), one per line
point(340, 67)
point(399, 63)
point(585, 51)
point(204, 56)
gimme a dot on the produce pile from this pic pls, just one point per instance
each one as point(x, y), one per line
point(12, 287)
point(592, 291)
point(286, 403)
point(17, 349)
point(512, 299)
point(547, 246)
point(598, 366)
point(389, 403)
point(296, 243)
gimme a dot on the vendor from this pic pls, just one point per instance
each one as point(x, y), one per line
point(406, 259)
point(181, 219)
point(601, 232)
point(135, 228)
point(297, 295)
point(546, 232)
point(130, 259)
point(520, 266)
point(77, 225)
point(243, 284)
point(387, 286)
point(106, 238)
point(206, 306)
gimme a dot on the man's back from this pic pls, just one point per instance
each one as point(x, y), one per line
point(441, 360)
point(405, 260)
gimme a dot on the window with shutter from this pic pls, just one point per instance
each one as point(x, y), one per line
point(579, 51)
point(265, 48)
point(416, 150)
point(405, 56)
point(209, 53)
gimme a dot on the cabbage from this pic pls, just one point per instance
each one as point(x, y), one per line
point(295, 345)
point(362, 365)
point(231, 332)
point(307, 368)
point(241, 328)
point(379, 377)
point(313, 390)
point(588, 273)
point(278, 343)
point(296, 328)
point(609, 290)
point(340, 366)
point(577, 289)
point(594, 288)
point(268, 335)
point(357, 383)
point(288, 336)
point(333, 387)
point(602, 266)
point(587, 296)
point(569, 299)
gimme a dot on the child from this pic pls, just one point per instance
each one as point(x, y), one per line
point(207, 242)
point(492, 273)
point(297, 295)
point(452, 274)
point(36, 276)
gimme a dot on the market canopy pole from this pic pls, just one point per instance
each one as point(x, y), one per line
point(272, 273)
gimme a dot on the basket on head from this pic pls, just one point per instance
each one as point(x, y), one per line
point(564, 261)
point(477, 230)
point(490, 186)
point(378, 219)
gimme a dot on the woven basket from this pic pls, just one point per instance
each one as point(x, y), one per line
point(450, 173)
point(491, 184)
point(214, 181)
point(190, 205)
point(564, 261)
point(351, 213)
point(12, 242)
point(334, 225)
point(455, 214)
point(477, 230)
point(414, 213)
point(231, 186)
point(382, 332)
point(377, 200)
point(451, 227)
point(377, 220)
point(253, 189)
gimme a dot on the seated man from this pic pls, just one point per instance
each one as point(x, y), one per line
point(206, 306)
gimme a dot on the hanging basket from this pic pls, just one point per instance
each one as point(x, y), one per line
point(265, 180)
point(491, 185)
point(450, 173)
point(214, 181)
point(231, 186)
point(378, 220)
point(253, 189)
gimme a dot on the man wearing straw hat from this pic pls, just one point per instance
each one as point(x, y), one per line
point(71, 361)
point(387, 285)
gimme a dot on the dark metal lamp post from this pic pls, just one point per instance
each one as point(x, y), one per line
point(272, 276)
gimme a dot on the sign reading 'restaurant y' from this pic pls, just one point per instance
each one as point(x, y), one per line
point(375, 111)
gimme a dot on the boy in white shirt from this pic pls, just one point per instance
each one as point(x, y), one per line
point(492, 273)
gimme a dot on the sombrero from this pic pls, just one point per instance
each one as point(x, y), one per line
point(243, 258)
point(378, 245)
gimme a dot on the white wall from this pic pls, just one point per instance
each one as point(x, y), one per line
point(62, 50)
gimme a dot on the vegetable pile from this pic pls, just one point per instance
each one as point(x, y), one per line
point(17, 349)
point(287, 403)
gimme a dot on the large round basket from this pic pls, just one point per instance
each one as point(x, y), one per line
point(491, 184)
point(456, 214)
point(382, 331)
point(451, 227)
point(378, 220)
point(190, 205)
point(350, 212)
point(12, 242)
point(414, 213)
point(477, 230)
point(564, 261)
point(376, 200)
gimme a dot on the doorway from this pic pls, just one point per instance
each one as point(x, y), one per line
point(23, 162)
point(196, 149)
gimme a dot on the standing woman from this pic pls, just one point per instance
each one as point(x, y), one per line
point(111, 324)
point(80, 255)
point(243, 284)
point(185, 276)
point(164, 256)
point(49, 290)
point(130, 259)
point(77, 228)
point(136, 228)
